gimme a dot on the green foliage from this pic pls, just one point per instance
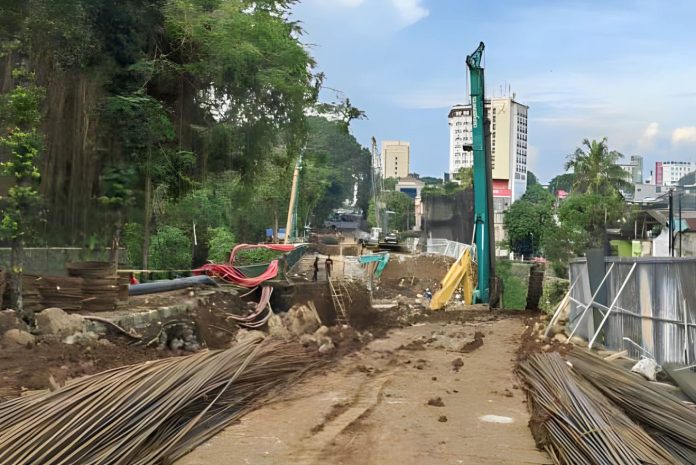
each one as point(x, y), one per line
point(585, 218)
point(531, 179)
point(117, 190)
point(514, 288)
point(342, 112)
point(465, 176)
point(220, 243)
point(389, 184)
point(553, 293)
point(529, 220)
point(205, 102)
point(132, 240)
point(562, 182)
point(255, 256)
point(21, 107)
point(431, 181)
point(447, 188)
point(403, 216)
point(334, 164)
point(596, 170)
point(20, 113)
point(170, 249)
point(140, 123)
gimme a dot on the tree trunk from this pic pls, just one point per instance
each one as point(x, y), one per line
point(116, 240)
point(275, 225)
point(16, 270)
point(146, 222)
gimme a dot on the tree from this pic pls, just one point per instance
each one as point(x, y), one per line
point(531, 179)
point(528, 219)
point(562, 182)
point(585, 218)
point(595, 169)
point(389, 184)
point(400, 213)
point(465, 176)
point(20, 114)
point(430, 181)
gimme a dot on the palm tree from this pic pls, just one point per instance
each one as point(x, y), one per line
point(595, 169)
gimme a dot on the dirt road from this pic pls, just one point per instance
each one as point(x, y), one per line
point(414, 397)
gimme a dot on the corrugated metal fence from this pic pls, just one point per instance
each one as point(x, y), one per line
point(446, 247)
point(650, 307)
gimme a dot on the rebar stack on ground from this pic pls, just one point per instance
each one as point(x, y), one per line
point(150, 413)
point(574, 423)
point(669, 420)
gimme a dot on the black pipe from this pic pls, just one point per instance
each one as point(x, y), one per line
point(170, 285)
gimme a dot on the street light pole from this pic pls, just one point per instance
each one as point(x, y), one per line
point(680, 225)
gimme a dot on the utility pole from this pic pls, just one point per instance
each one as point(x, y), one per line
point(680, 225)
point(293, 196)
point(671, 223)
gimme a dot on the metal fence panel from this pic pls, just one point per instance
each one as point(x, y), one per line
point(583, 326)
point(446, 247)
point(654, 314)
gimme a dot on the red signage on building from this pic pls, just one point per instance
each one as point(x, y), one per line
point(501, 189)
point(658, 173)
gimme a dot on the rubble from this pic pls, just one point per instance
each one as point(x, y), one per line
point(81, 337)
point(246, 334)
point(18, 337)
point(277, 328)
point(300, 320)
point(55, 322)
point(9, 320)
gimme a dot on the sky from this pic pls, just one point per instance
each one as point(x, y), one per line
point(621, 69)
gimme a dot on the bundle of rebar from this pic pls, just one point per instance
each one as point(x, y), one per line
point(669, 420)
point(149, 413)
point(575, 424)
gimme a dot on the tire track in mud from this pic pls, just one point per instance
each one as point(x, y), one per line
point(343, 418)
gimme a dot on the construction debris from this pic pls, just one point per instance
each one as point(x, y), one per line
point(185, 400)
point(18, 337)
point(55, 322)
point(670, 421)
point(575, 424)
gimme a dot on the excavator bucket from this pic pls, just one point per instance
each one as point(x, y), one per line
point(459, 275)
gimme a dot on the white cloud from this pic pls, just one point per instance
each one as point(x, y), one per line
point(647, 140)
point(685, 135)
point(410, 11)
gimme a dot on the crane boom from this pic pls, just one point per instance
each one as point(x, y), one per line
point(482, 179)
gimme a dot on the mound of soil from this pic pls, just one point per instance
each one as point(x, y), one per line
point(31, 368)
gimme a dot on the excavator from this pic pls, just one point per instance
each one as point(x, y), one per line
point(460, 274)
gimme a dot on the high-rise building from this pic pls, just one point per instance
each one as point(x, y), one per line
point(508, 144)
point(668, 173)
point(508, 150)
point(395, 158)
point(635, 169)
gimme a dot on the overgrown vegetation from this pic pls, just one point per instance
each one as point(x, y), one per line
point(19, 137)
point(514, 287)
point(560, 229)
point(178, 115)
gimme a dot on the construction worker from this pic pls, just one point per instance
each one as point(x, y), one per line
point(316, 269)
point(328, 264)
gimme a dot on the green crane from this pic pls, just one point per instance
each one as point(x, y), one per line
point(483, 195)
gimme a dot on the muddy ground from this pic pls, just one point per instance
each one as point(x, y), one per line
point(441, 392)
point(51, 362)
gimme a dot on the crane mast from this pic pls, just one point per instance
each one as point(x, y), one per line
point(483, 193)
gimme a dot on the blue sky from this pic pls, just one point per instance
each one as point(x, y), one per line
point(624, 69)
